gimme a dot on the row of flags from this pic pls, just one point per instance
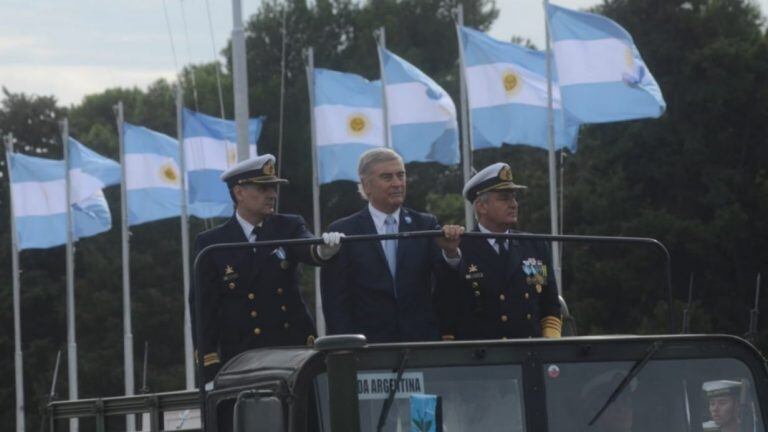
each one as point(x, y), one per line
point(152, 176)
point(598, 76)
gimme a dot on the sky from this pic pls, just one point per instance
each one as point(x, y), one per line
point(73, 48)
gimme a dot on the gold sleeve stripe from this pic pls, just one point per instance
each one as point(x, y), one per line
point(551, 327)
point(211, 358)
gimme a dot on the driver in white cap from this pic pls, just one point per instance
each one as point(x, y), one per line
point(250, 297)
point(723, 402)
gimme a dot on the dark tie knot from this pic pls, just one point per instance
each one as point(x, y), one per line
point(257, 231)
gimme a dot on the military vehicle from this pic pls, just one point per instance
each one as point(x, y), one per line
point(576, 383)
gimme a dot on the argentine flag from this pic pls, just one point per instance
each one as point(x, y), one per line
point(89, 171)
point(507, 90)
point(152, 175)
point(602, 76)
point(421, 115)
point(348, 121)
point(38, 188)
point(210, 148)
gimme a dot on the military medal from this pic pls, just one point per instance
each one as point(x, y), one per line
point(229, 273)
point(284, 265)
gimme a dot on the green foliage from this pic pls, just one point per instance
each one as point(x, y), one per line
point(696, 179)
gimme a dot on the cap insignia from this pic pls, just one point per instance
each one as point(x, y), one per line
point(268, 169)
point(505, 173)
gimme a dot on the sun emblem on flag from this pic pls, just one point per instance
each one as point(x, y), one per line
point(231, 155)
point(168, 173)
point(511, 81)
point(357, 124)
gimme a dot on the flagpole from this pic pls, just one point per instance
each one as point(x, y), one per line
point(240, 81)
point(282, 102)
point(466, 136)
point(189, 366)
point(552, 166)
point(71, 341)
point(309, 59)
point(17, 355)
point(381, 41)
point(130, 420)
point(282, 109)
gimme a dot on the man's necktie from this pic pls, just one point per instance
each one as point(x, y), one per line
point(258, 231)
point(390, 246)
point(503, 249)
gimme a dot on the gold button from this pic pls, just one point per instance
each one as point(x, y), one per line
point(527, 296)
point(504, 318)
point(254, 314)
point(475, 284)
point(477, 293)
point(286, 325)
point(232, 285)
point(251, 296)
point(284, 308)
point(528, 316)
point(257, 331)
point(502, 297)
point(280, 291)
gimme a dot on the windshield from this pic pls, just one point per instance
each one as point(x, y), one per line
point(667, 395)
point(472, 398)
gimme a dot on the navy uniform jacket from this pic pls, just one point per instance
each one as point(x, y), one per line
point(251, 299)
point(492, 299)
point(359, 293)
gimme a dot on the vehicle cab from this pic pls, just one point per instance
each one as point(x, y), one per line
point(612, 383)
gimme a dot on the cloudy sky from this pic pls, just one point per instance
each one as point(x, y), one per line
point(77, 47)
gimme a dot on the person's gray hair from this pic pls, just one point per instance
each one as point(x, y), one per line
point(482, 197)
point(367, 161)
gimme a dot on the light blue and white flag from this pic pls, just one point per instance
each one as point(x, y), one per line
point(210, 148)
point(39, 204)
point(89, 171)
point(349, 120)
point(602, 76)
point(152, 175)
point(507, 90)
point(421, 115)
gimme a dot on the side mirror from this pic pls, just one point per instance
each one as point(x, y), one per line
point(258, 411)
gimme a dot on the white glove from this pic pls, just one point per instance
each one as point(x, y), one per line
point(332, 245)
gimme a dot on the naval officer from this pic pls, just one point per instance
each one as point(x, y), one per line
point(505, 287)
point(250, 297)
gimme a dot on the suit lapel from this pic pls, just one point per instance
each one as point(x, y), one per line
point(233, 233)
point(514, 265)
point(366, 221)
point(489, 254)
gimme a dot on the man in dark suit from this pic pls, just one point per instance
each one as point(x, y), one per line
point(505, 288)
point(384, 289)
point(250, 297)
